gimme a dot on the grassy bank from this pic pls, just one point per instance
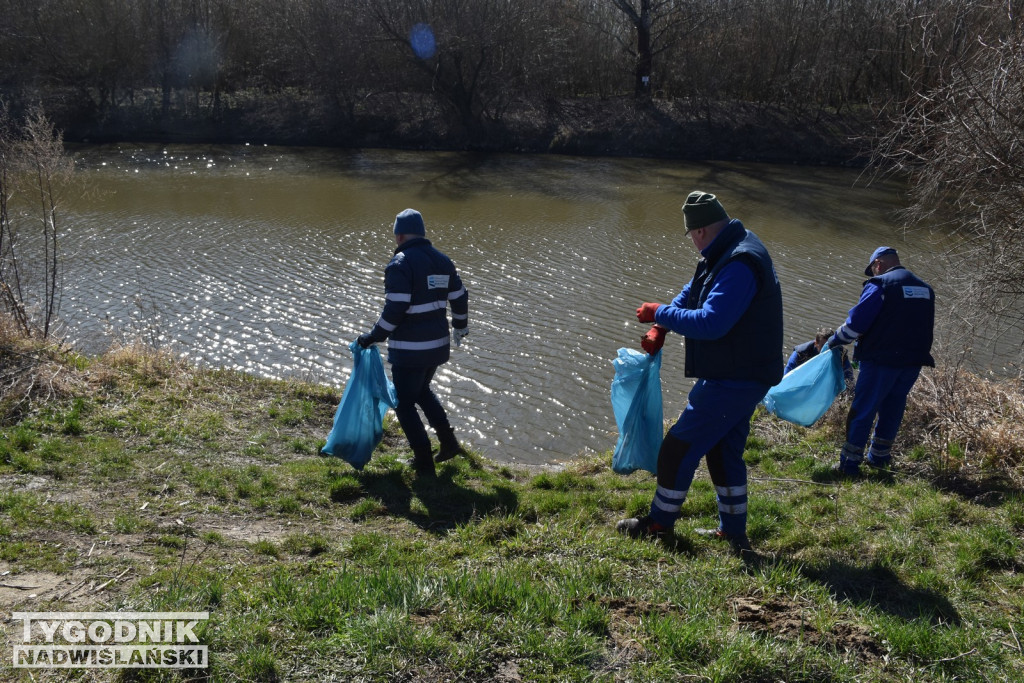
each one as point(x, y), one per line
point(137, 482)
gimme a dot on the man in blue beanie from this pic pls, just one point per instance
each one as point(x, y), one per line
point(419, 284)
point(893, 326)
point(730, 313)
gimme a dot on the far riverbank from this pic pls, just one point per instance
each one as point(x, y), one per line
point(685, 129)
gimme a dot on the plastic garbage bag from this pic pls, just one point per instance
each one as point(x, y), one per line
point(359, 419)
point(636, 401)
point(808, 390)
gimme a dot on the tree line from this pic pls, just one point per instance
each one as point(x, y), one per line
point(475, 60)
point(942, 80)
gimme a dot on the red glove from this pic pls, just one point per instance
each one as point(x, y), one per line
point(645, 313)
point(654, 339)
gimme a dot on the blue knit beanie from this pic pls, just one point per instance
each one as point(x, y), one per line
point(409, 222)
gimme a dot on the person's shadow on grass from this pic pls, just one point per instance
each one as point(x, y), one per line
point(447, 504)
point(879, 587)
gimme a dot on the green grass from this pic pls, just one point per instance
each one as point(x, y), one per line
point(312, 570)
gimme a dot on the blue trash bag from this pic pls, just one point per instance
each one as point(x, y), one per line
point(808, 390)
point(359, 419)
point(636, 401)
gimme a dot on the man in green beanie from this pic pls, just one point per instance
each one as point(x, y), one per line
point(730, 314)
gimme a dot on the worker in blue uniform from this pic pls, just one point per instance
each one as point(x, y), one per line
point(893, 324)
point(808, 350)
point(730, 314)
point(419, 284)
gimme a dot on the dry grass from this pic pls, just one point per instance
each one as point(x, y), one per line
point(32, 371)
point(967, 426)
point(35, 371)
point(143, 360)
point(967, 418)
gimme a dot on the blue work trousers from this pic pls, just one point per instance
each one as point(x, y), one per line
point(412, 388)
point(715, 423)
point(881, 392)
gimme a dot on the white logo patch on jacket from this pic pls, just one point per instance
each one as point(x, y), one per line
point(916, 293)
point(437, 282)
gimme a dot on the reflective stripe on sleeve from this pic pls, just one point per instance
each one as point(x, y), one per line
point(846, 334)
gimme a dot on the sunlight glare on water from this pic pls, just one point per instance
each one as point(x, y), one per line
point(270, 261)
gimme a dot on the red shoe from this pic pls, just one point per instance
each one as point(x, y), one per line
point(739, 544)
point(643, 527)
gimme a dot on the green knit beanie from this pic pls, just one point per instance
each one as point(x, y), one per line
point(702, 209)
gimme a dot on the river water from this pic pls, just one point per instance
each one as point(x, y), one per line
point(270, 260)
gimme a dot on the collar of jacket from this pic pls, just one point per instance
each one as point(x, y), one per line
point(891, 270)
point(414, 242)
point(732, 233)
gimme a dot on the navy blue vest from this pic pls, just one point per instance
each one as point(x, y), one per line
point(750, 350)
point(901, 335)
point(804, 352)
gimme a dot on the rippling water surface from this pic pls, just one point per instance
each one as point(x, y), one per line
point(270, 260)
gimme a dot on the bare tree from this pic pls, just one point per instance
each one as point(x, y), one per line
point(335, 52)
point(962, 146)
point(11, 294)
point(472, 54)
point(34, 170)
point(375, 65)
point(656, 25)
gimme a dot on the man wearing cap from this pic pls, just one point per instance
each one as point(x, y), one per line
point(730, 314)
point(892, 324)
point(419, 283)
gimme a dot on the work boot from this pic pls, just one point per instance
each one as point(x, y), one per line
point(739, 544)
point(878, 463)
point(450, 447)
point(850, 458)
point(422, 463)
point(643, 527)
point(880, 453)
point(846, 470)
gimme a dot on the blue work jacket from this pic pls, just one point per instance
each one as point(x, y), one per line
point(419, 283)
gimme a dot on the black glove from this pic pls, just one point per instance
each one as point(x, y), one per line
point(833, 342)
point(364, 340)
